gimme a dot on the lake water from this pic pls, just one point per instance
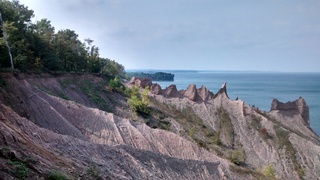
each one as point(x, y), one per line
point(258, 88)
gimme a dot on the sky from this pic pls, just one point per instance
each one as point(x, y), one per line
point(242, 35)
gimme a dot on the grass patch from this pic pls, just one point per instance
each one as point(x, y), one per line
point(21, 170)
point(269, 171)
point(94, 173)
point(55, 175)
point(236, 156)
point(57, 94)
point(283, 141)
point(191, 131)
point(194, 128)
point(93, 90)
point(246, 171)
point(165, 125)
point(225, 126)
point(201, 143)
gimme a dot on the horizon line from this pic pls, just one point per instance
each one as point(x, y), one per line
point(201, 70)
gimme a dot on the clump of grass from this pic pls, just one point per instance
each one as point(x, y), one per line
point(92, 91)
point(246, 171)
point(193, 126)
point(164, 125)
point(191, 131)
point(94, 173)
point(226, 127)
point(216, 139)
point(21, 171)
point(269, 171)
point(55, 175)
point(201, 143)
point(236, 156)
point(283, 141)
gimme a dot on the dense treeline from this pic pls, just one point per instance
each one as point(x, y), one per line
point(37, 47)
point(158, 76)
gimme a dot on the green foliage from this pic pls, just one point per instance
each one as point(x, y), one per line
point(226, 127)
point(200, 142)
point(283, 141)
point(21, 171)
point(191, 131)
point(158, 76)
point(55, 175)
point(134, 91)
point(115, 84)
point(269, 171)
point(92, 91)
point(144, 95)
point(138, 106)
point(94, 173)
point(164, 125)
point(36, 47)
point(236, 156)
point(216, 139)
point(246, 171)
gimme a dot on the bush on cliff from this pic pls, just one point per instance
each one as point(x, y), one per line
point(236, 156)
point(139, 105)
point(115, 84)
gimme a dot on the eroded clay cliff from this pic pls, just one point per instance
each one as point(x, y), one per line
point(62, 123)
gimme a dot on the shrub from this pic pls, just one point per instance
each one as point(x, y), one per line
point(139, 105)
point(191, 131)
point(200, 142)
point(165, 125)
point(216, 139)
point(94, 173)
point(115, 83)
point(21, 171)
point(269, 171)
point(236, 156)
point(55, 175)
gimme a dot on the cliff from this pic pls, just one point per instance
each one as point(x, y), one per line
point(74, 125)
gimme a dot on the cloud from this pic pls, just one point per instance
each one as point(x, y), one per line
point(138, 31)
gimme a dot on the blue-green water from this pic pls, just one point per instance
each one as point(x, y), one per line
point(258, 88)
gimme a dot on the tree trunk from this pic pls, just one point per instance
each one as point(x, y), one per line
point(5, 38)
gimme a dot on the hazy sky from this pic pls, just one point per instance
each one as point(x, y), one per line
point(267, 35)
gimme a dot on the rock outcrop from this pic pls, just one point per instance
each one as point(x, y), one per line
point(266, 138)
point(206, 136)
point(155, 89)
point(140, 82)
point(192, 93)
point(171, 91)
point(298, 106)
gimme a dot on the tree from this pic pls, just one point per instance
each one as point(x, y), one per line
point(37, 47)
point(66, 45)
point(6, 41)
point(111, 67)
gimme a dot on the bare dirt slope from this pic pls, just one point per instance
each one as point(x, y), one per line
point(74, 125)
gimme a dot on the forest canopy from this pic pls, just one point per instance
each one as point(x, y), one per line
point(37, 47)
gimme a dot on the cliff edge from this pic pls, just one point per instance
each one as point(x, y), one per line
point(74, 125)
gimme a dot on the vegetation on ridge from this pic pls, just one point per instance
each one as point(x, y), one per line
point(139, 103)
point(158, 76)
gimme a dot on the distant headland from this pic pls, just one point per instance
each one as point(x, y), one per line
point(155, 76)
